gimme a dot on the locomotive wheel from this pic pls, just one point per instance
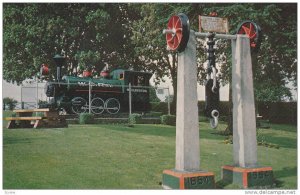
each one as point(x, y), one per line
point(180, 25)
point(79, 105)
point(97, 105)
point(112, 105)
point(253, 31)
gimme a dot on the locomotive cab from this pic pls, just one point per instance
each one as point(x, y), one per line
point(139, 90)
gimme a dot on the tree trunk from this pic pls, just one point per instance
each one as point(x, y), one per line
point(173, 71)
point(173, 103)
point(229, 128)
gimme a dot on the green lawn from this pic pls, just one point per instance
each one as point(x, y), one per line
point(121, 157)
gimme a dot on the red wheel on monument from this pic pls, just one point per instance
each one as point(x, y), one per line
point(253, 31)
point(180, 27)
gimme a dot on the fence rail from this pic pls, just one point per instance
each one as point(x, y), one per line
point(22, 105)
point(32, 95)
point(275, 112)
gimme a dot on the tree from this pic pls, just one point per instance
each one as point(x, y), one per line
point(10, 102)
point(130, 36)
point(34, 33)
point(273, 65)
point(275, 62)
point(150, 44)
point(152, 95)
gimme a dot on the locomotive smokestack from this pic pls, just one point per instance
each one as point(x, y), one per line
point(59, 61)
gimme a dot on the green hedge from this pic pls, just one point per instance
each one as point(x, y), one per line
point(163, 107)
point(86, 118)
point(223, 108)
point(278, 112)
point(13, 114)
point(153, 114)
point(275, 112)
point(168, 120)
point(135, 119)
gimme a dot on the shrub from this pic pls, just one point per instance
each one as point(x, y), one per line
point(10, 102)
point(86, 118)
point(168, 120)
point(203, 119)
point(159, 107)
point(134, 119)
point(13, 114)
point(153, 114)
point(111, 121)
point(41, 114)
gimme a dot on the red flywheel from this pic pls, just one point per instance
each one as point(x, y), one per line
point(253, 31)
point(179, 25)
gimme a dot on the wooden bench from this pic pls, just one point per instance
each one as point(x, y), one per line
point(26, 119)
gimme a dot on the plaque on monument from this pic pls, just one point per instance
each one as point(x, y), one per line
point(213, 24)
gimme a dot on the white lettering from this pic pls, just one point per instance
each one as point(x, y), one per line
point(138, 90)
point(95, 84)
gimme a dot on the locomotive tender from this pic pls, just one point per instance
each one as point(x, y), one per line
point(109, 93)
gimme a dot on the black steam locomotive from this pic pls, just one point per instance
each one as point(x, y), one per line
point(108, 93)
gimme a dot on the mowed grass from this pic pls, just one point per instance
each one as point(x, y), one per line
point(121, 157)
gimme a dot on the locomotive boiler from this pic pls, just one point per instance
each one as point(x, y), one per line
point(107, 94)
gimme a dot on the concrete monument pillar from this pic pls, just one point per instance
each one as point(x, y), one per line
point(244, 121)
point(187, 125)
point(187, 173)
point(245, 170)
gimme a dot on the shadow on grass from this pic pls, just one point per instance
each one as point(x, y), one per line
point(284, 172)
point(159, 130)
point(14, 140)
point(156, 130)
point(11, 140)
point(278, 183)
point(284, 127)
point(222, 184)
point(283, 142)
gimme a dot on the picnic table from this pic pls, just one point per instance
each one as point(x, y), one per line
point(36, 118)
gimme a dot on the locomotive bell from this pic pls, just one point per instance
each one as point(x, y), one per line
point(59, 61)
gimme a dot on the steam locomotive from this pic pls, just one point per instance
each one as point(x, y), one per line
point(109, 92)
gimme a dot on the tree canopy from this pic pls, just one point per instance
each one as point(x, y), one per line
point(34, 33)
point(274, 65)
point(130, 36)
